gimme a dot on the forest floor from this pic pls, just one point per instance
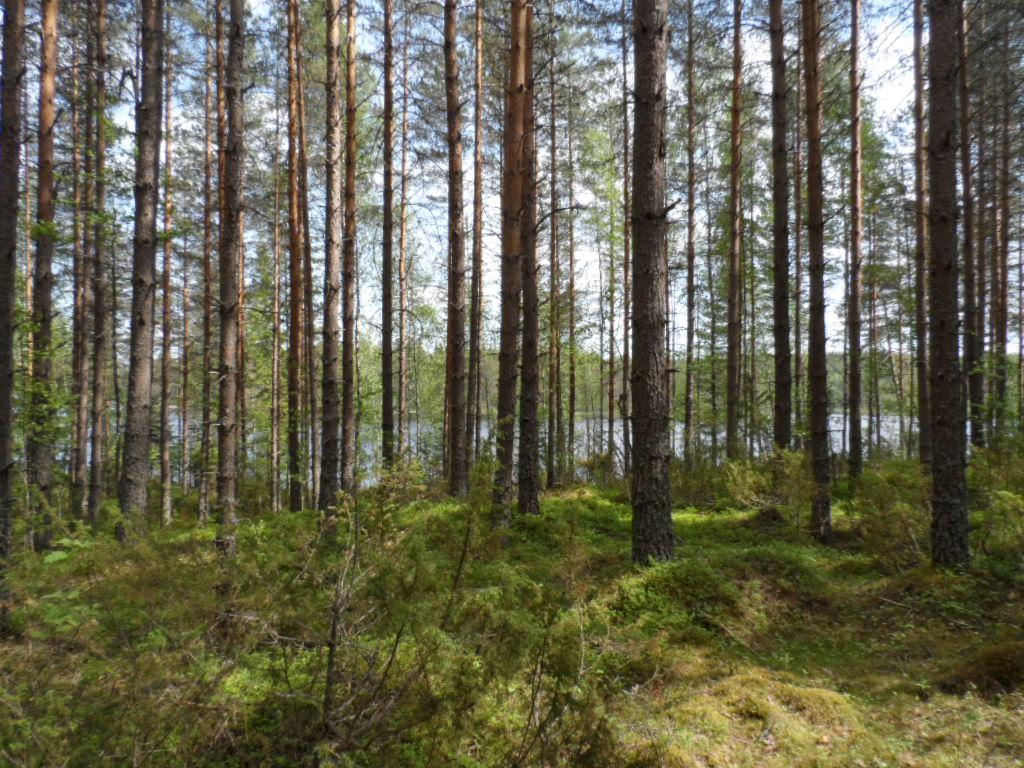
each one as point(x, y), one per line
point(756, 647)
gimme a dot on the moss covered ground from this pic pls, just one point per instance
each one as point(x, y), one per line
point(542, 646)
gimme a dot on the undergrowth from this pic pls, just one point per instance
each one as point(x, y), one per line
point(402, 632)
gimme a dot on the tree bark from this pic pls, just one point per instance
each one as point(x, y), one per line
point(458, 480)
point(529, 387)
point(165, 315)
point(511, 257)
point(205, 437)
point(102, 328)
point(81, 183)
point(734, 335)
point(476, 306)
point(971, 357)
point(295, 273)
point(10, 140)
point(330, 452)
point(921, 269)
point(853, 320)
point(571, 299)
point(40, 429)
point(627, 249)
point(348, 288)
point(229, 257)
point(817, 371)
point(554, 449)
point(783, 418)
point(949, 490)
point(653, 533)
point(132, 491)
point(387, 421)
point(691, 219)
point(403, 265)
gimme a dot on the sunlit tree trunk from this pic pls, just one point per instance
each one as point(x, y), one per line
point(10, 138)
point(653, 534)
point(476, 305)
point(920, 234)
point(511, 257)
point(387, 421)
point(853, 322)
point(40, 429)
point(458, 479)
point(165, 315)
point(295, 273)
point(230, 246)
point(132, 492)
point(817, 373)
point(529, 387)
point(330, 453)
point(348, 288)
point(783, 419)
point(734, 334)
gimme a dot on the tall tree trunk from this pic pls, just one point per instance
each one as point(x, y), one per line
point(458, 480)
point(476, 305)
point(10, 139)
point(949, 490)
point(817, 371)
point(403, 265)
point(205, 437)
point(972, 361)
point(312, 426)
point(387, 420)
point(529, 387)
point(102, 329)
point(275, 352)
point(511, 257)
point(627, 249)
point(798, 276)
point(330, 453)
point(783, 419)
point(856, 203)
point(132, 491)
point(921, 269)
point(1001, 274)
point(653, 532)
point(734, 336)
point(571, 299)
point(295, 273)
point(610, 467)
point(165, 317)
point(40, 429)
point(348, 289)
point(81, 240)
point(553, 448)
point(229, 257)
point(691, 251)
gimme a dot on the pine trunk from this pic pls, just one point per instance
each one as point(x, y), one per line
point(653, 534)
point(348, 288)
point(330, 452)
point(458, 479)
point(229, 257)
point(783, 419)
point(132, 491)
point(511, 257)
point(529, 387)
point(949, 490)
point(817, 371)
point(735, 302)
point(10, 138)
